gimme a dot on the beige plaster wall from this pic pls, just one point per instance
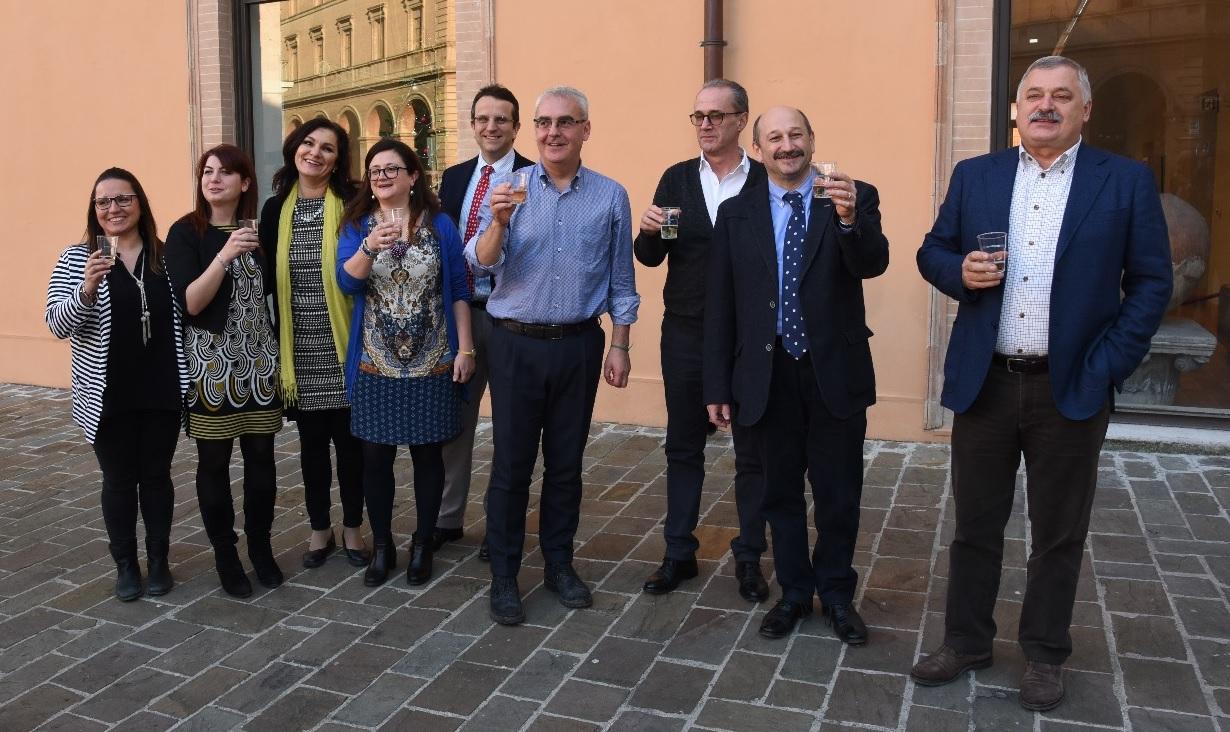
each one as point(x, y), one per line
point(866, 79)
point(86, 86)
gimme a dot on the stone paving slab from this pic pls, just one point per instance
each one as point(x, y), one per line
point(323, 652)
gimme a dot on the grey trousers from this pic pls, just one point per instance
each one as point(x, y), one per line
point(459, 453)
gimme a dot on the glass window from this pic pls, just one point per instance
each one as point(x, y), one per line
point(374, 85)
point(1157, 68)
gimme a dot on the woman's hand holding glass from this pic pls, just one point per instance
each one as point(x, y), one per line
point(240, 242)
point(383, 235)
point(96, 267)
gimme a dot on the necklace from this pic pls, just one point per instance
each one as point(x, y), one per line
point(305, 218)
point(139, 278)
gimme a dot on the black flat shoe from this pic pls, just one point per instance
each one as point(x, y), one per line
point(562, 579)
point(440, 537)
point(780, 621)
point(418, 571)
point(268, 573)
point(752, 586)
point(669, 575)
point(847, 624)
point(159, 581)
point(357, 557)
point(505, 599)
point(384, 560)
point(127, 579)
point(314, 558)
point(230, 572)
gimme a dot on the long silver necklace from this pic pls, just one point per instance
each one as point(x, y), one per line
point(139, 278)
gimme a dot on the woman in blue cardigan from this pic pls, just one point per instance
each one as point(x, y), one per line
point(410, 348)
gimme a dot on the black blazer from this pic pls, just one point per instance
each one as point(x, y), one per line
point(684, 291)
point(456, 180)
point(742, 299)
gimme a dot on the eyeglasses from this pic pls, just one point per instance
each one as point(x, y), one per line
point(499, 121)
point(563, 123)
point(124, 200)
point(389, 171)
point(715, 118)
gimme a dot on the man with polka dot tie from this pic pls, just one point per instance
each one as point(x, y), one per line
point(787, 357)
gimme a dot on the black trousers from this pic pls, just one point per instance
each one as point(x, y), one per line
point(316, 430)
point(213, 489)
point(687, 428)
point(798, 435)
point(542, 391)
point(134, 451)
point(379, 487)
point(1015, 415)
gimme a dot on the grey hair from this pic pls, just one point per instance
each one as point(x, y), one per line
point(737, 92)
point(1054, 62)
point(569, 92)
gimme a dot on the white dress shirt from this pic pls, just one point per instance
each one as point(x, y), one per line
point(1039, 199)
point(716, 190)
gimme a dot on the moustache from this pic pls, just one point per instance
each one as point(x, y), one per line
point(1043, 116)
point(786, 155)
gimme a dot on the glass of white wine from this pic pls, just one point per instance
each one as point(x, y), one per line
point(670, 222)
point(109, 246)
point(824, 171)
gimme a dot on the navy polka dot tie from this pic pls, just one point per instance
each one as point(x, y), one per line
point(794, 334)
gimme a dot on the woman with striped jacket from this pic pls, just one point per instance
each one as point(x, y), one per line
point(128, 371)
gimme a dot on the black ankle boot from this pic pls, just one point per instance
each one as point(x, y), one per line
point(260, 553)
point(384, 560)
point(418, 572)
point(160, 581)
point(230, 571)
point(127, 570)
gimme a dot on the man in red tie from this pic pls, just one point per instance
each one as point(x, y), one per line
point(495, 120)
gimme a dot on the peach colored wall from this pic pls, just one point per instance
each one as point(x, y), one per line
point(865, 78)
point(63, 125)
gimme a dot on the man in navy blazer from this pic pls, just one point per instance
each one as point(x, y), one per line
point(495, 118)
point(787, 356)
point(1036, 351)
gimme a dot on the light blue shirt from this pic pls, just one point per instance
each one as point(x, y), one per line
point(782, 211)
point(567, 256)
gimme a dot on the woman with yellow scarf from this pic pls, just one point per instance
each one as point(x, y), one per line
point(298, 231)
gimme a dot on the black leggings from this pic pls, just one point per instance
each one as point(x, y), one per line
point(378, 487)
point(213, 489)
point(316, 430)
point(134, 451)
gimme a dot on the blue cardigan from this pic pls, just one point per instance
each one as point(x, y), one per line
point(456, 287)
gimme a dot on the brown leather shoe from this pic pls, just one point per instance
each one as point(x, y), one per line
point(945, 665)
point(1041, 686)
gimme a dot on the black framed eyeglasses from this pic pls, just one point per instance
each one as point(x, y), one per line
point(124, 200)
point(563, 123)
point(715, 117)
point(389, 172)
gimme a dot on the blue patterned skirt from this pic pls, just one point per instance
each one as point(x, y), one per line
point(413, 411)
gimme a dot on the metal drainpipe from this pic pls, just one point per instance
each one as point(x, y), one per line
point(713, 43)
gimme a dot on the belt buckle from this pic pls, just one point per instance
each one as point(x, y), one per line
point(553, 332)
point(1013, 363)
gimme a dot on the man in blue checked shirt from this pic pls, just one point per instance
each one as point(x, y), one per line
point(561, 258)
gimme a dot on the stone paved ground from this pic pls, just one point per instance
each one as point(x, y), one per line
point(324, 652)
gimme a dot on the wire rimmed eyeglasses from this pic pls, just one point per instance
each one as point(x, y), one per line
point(563, 123)
point(124, 200)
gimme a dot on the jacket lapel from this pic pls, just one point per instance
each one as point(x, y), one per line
point(1087, 179)
point(819, 224)
point(762, 225)
point(998, 183)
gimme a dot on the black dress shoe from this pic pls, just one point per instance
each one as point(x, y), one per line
point(847, 624)
point(484, 554)
point(127, 578)
point(563, 580)
point(314, 558)
point(752, 586)
point(160, 581)
point(506, 606)
point(357, 557)
point(418, 571)
point(440, 537)
point(669, 575)
point(946, 665)
point(780, 621)
point(230, 572)
point(384, 560)
point(268, 573)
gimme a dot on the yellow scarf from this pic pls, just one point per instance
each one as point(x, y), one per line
point(337, 303)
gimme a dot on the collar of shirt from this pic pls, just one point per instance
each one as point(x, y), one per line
point(743, 166)
point(1062, 163)
point(544, 178)
point(777, 194)
point(501, 166)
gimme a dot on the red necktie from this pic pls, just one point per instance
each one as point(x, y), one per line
point(476, 204)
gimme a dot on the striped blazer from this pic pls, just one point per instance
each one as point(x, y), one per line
point(89, 327)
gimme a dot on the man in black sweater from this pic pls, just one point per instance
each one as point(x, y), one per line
point(697, 187)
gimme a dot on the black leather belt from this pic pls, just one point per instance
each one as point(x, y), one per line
point(1022, 364)
point(546, 331)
